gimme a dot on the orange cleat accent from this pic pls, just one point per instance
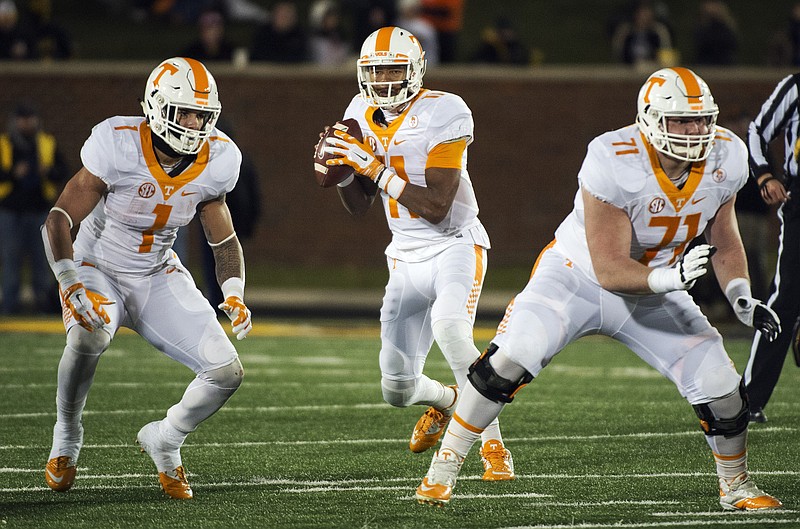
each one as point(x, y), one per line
point(437, 485)
point(176, 485)
point(742, 494)
point(497, 462)
point(59, 473)
point(431, 426)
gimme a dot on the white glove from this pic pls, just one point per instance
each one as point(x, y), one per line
point(239, 315)
point(682, 276)
point(354, 153)
point(84, 305)
point(754, 313)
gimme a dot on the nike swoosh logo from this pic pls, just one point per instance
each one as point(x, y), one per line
point(185, 194)
point(360, 157)
point(425, 488)
point(54, 478)
point(398, 142)
point(697, 200)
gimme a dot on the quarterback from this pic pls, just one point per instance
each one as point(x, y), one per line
point(141, 180)
point(619, 267)
point(414, 155)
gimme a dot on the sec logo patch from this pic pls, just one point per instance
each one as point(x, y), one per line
point(656, 205)
point(147, 190)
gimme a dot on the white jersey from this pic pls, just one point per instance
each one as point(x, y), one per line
point(431, 119)
point(133, 227)
point(621, 168)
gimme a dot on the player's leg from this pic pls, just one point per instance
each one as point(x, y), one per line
point(460, 271)
point(689, 351)
point(178, 320)
point(76, 371)
point(406, 339)
point(767, 358)
point(558, 304)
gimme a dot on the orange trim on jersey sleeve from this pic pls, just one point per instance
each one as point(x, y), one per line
point(126, 127)
point(678, 197)
point(170, 185)
point(447, 155)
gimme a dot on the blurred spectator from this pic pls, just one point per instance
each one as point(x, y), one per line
point(181, 12)
point(281, 39)
point(409, 17)
point(643, 40)
point(367, 16)
point(716, 38)
point(31, 168)
point(14, 41)
point(327, 43)
point(500, 44)
point(447, 16)
point(49, 40)
point(211, 43)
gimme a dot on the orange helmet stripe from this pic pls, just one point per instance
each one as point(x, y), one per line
point(201, 85)
point(383, 39)
point(693, 92)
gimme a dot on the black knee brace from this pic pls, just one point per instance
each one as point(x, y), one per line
point(489, 384)
point(727, 427)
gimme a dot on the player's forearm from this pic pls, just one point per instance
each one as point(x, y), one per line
point(229, 260)
point(624, 275)
point(426, 203)
point(730, 262)
point(56, 236)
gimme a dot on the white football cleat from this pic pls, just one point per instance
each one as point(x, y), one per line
point(61, 467)
point(742, 494)
point(437, 485)
point(167, 458)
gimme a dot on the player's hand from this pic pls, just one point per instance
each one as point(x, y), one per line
point(239, 315)
point(692, 266)
point(354, 153)
point(754, 313)
point(773, 191)
point(86, 306)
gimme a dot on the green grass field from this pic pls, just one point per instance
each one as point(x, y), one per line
point(599, 440)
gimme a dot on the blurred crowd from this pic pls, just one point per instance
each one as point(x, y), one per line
point(329, 32)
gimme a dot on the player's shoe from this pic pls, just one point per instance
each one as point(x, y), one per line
point(431, 426)
point(498, 465)
point(167, 459)
point(437, 485)
point(757, 415)
point(61, 467)
point(742, 494)
point(59, 473)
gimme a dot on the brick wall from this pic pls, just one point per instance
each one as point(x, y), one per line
point(531, 132)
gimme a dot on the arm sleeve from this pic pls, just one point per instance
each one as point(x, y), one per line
point(775, 113)
point(454, 122)
point(594, 176)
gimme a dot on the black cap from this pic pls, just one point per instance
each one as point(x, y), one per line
point(25, 109)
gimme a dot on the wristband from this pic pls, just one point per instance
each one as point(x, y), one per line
point(392, 184)
point(661, 280)
point(65, 272)
point(347, 181)
point(737, 288)
point(233, 286)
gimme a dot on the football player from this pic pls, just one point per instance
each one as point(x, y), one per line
point(414, 156)
point(618, 267)
point(141, 180)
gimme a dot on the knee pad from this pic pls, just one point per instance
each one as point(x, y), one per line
point(398, 393)
point(228, 377)
point(455, 340)
point(88, 343)
point(491, 385)
point(726, 416)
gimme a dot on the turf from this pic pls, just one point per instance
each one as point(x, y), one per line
point(599, 440)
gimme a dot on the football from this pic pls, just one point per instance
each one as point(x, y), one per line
point(330, 175)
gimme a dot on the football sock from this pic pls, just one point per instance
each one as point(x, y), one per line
point(475, 414)
point(730, 454)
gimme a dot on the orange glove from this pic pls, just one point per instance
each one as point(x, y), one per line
point(86, 306)
point(239, 315)
point(354, 153)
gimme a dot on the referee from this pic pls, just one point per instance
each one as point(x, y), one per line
point(779, 113)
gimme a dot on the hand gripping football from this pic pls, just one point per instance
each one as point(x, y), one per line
point(330, 175)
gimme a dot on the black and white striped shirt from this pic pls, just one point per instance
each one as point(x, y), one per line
point(778, 113)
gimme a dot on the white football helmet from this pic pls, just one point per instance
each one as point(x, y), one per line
point(181, 83)
point(677, 92)
point(390, 46)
